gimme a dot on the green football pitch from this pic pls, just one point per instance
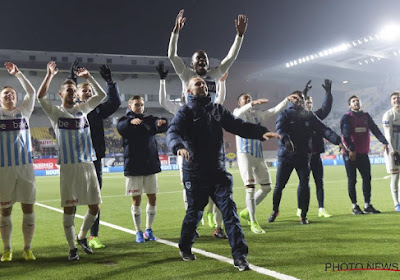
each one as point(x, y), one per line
point(288, 249)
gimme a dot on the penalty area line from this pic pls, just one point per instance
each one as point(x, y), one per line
point(255, 268)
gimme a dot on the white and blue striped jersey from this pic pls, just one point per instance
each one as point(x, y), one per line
point(254, 146)
point(391, 129)
point(15, 136)
point(72, 127)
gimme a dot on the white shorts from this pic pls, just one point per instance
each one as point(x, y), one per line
point(253, 170)
point(17, 185)
point(79, 184)
point(391, 167)
point(136, 185)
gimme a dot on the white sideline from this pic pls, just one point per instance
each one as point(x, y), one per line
point(255, 268)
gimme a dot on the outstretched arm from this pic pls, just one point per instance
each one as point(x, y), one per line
point(113, 101)
point(226, 63)
point(378, 134)
point(324, 111)
point(164, 102)
point(221, 92)
point(99, 93)
point(29, 99)
point(176, 61)
point(52, 70)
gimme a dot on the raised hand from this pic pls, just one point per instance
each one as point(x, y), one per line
point(73, 70)
point(161, 71)
point(11, 68)
point(105, 72)
point(179, 22)
point(259, 101)
point(52, 68)
point(327, 86)
point(241, 24)
point(307, 88)
point(83, 72)
point(269, 135)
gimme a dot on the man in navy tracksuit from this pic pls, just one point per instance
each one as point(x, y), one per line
point(96, 121)
point(318, 146)
point(196, 134)
point(355, 126)
point(296, 126)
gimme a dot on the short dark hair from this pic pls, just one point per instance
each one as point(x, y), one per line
point(66, 82)
point(394, 93)
point(135, 97)
point(351, 97)
point(297, 92)
point(308, 97)
point(244, 93)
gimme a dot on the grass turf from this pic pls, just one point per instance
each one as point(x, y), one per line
point(302, 251)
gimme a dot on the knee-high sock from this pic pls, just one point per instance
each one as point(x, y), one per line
point(262, 193)
point(86, 225)
point(394, 187)
point(69, 230)
point(137, 217)
point(6, 228)
point(28, 228)
point(150, 215)
point(251, 204)
point(217, 216)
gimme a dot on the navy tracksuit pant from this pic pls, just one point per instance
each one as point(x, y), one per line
point(94, 230)
point(364, 166)
point(285, 168)
point(219, 188)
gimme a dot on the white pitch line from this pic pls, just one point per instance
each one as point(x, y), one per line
point(255, 268)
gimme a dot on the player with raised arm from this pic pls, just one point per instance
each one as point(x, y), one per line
point(200, 62)
point(16, 163)
point(78, 179)
point(96, 121)
point(252, 167)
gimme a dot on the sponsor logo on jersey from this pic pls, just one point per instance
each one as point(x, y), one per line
point(73, 124)
point(14, 124)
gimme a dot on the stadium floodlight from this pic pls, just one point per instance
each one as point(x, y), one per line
point(287, 65)
point(390, 32)
point(345, 82)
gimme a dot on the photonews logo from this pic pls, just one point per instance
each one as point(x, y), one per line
point(348, 266)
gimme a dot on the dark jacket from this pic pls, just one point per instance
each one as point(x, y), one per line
point(318, 146)
point(197, 127)
point(296, 124)
point(140, 145)
point(101, 112)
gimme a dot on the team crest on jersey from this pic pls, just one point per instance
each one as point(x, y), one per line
point(385, 122)
point(19, 116)
point(188, 185)
point(78, 114)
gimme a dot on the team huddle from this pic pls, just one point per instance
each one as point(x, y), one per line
point(195, 135)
